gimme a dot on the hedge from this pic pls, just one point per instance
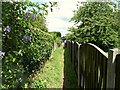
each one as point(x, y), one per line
point(24, 49)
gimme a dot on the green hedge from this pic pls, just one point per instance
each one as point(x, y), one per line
point(24, 49)
point(59, 41)
point(27, 59)
point(55, 34)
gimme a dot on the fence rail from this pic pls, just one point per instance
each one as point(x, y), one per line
point(93, 67)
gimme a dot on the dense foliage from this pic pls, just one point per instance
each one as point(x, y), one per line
point(99, 25)
point(55, 34)
point(40, 23)
point(59, 41)
point(25, 47)
point(57, 37)
point(39, 83)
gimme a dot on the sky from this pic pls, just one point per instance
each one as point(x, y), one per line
point(58, 20)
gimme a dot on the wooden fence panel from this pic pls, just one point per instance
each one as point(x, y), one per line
point(117, 80)
point(93, 67)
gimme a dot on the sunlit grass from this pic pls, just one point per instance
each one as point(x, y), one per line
point(52, 72)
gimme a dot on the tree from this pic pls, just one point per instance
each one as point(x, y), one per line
point(99, 25)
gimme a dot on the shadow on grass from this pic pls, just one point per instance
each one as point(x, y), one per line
point(70, 79)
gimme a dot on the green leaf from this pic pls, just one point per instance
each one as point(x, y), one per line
point(14, 59)
point(9, 71)
point(6, 61)
point(20, 52)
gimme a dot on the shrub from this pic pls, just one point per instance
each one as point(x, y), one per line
point(59, 41)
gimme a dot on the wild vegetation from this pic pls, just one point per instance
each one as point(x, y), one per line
point(52, 72)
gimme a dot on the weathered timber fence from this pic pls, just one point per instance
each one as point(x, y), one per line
point(93, 67)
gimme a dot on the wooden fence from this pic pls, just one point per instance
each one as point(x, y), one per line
point(93, 67)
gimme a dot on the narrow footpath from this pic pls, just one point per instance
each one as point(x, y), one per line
point(58, 71)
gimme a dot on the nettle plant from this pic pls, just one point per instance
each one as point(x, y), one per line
point(24, 48)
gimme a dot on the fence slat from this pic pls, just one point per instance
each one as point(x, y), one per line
point(104, 71)
point(96, 68)
point(79, 74)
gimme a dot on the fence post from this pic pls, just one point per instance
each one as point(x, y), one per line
point(68, 45)
point(111, 68)
point(79, 66)
point(70, 50)
point(73, 54)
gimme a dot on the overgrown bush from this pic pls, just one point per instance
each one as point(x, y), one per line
point(24, 48)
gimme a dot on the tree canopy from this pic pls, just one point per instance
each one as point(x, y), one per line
point(99, 25)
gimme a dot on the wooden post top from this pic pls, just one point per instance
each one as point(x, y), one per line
point(112, 54)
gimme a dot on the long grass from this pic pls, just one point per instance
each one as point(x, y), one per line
point(70, 79)
point(52, 72)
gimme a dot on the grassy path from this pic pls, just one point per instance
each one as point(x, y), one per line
point(58, 71)
point(52, 71)
point(70, 79)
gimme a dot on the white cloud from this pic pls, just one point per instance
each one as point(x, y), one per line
point(58, 20)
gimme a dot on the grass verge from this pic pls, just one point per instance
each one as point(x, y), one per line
point(52, 72)
point(70, 79)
